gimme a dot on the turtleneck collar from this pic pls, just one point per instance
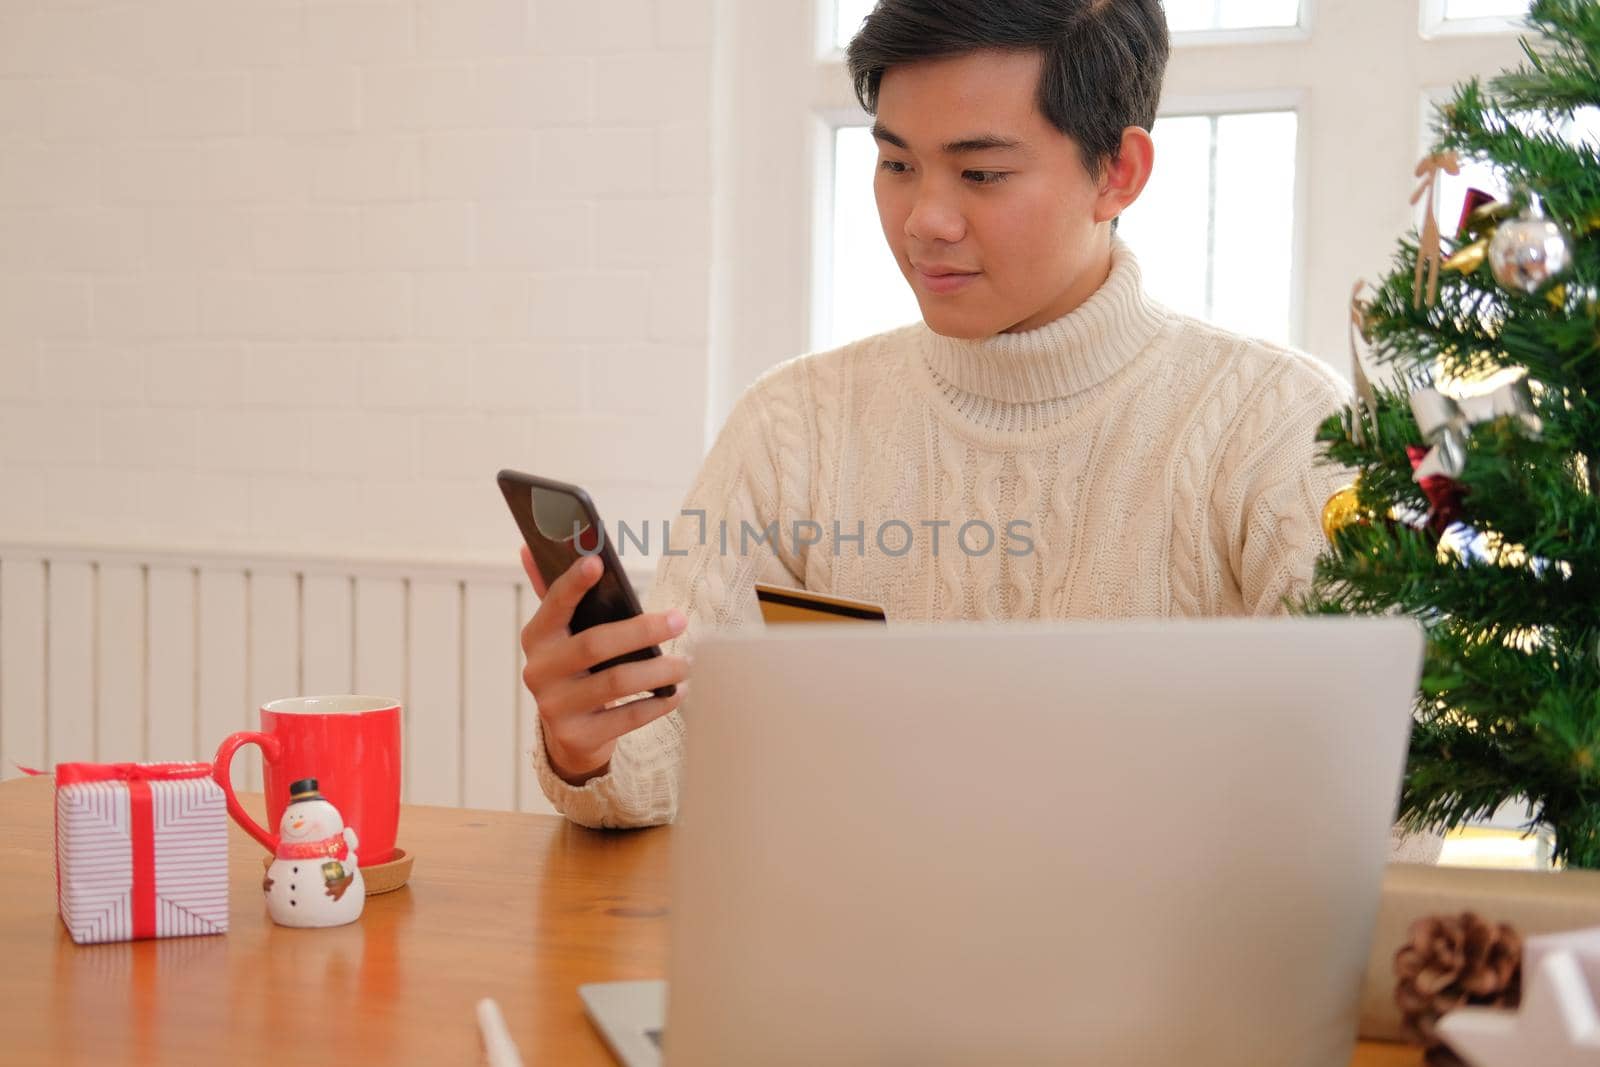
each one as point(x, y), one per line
point(1079, 350)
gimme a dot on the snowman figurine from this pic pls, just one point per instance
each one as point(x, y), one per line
point(314, 879)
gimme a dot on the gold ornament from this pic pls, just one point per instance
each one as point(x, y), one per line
point(1483, 219)
point(1479, 224)
point(1344, 510)
point(1469, 258)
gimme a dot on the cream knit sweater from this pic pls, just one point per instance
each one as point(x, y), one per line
point(1161, 466)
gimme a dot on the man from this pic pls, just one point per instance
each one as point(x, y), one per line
point(1047, 443)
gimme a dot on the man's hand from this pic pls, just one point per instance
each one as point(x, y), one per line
point(580, 724)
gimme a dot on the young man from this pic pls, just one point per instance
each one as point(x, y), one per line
point(1124, 460)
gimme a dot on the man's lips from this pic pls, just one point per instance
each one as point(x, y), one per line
point(943, 279)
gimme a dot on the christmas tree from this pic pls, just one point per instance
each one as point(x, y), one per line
point(1476, 506)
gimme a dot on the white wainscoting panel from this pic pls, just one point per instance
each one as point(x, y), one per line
point(112, 656)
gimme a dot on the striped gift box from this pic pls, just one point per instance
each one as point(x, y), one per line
point(141, 851)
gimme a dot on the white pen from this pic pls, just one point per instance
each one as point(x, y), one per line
point(497, 1043)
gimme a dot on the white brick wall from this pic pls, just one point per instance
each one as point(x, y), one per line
point(301, 277)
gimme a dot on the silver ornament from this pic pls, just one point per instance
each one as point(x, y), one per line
point(1527, 253)
point(1450, 446)
point(1443, 426)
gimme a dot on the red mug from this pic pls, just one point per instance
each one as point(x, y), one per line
point(349, 744)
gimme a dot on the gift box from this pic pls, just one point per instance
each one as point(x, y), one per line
point(141, 851)
point(1530, 902)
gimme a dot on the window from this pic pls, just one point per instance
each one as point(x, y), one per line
point(1191, 15)
point(847, 20)
point(1445, 17)
point(869, 295)
point(1214, 229)
point(1457, 10)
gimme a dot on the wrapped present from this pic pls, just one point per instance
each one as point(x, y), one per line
point(1555, 1023)
point(1525, 902)
point(141, 851)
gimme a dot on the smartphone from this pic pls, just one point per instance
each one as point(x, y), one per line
point(560, 525)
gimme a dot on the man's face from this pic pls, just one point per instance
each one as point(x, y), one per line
point(987, 207)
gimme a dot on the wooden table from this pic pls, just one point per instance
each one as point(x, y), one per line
point(522, 908)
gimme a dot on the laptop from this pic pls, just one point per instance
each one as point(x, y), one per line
point(1098, 843)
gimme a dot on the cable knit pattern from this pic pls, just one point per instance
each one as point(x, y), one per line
point(1159, 467)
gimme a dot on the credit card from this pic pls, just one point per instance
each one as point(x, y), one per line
point(781, 604)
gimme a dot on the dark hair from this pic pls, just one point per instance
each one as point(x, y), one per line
point(1103, 59)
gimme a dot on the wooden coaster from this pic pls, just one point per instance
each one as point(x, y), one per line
point(387, 877)
point(382, 877)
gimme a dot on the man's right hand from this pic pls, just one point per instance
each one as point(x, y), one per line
point(576, 709)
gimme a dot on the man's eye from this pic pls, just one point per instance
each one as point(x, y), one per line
point(978, 178)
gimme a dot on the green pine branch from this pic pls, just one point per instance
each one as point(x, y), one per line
point(1563, 70)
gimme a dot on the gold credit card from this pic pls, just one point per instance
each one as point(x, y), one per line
point(780, 604)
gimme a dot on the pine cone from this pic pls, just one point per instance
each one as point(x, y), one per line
point(1450, 961)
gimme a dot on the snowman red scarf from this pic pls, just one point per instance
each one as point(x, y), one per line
point(329, 847)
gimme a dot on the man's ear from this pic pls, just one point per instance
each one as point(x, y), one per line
point(1123, 177)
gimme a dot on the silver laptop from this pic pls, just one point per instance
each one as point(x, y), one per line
point(1108, 844)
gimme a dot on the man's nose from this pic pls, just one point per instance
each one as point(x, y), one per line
point(935, 217)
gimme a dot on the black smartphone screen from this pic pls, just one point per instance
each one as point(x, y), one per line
point(560, 525)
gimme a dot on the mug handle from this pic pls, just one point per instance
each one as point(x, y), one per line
point(271, 749)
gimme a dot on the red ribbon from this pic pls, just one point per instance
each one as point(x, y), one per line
point(1444, 494)
point(142, 829)
point(73, 773)
point(141, 821)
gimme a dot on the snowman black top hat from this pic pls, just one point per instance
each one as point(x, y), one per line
point(304, 789)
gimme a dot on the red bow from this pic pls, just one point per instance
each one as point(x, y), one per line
point(74, 773)
point(1445, 494)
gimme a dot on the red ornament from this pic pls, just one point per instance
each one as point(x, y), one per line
point(1444, 494)
point(1475, 199)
